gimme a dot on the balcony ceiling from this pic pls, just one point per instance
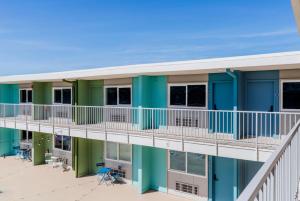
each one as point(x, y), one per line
point(274, 61)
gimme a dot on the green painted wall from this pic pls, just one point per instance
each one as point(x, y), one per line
point(42, 143)
point(42, 93)
point(87, 152)
point(150, 92)
point(9, 138)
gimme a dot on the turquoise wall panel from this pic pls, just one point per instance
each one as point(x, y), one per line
point(149, 168)
point(9, 138)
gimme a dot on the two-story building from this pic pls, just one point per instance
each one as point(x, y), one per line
point(199, 128)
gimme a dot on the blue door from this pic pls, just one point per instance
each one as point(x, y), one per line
point(260, 97)
point(223, 183)
point(222, 100)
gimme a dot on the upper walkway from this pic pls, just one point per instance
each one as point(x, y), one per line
point(247, 135)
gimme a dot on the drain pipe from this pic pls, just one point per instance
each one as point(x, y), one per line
point(235, 129)
point(235, 88)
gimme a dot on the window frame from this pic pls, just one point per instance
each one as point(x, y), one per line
point(118, 153)
point(62, 144)
point(61, 88)
point(27, 140)
point(281, 94)
point(186, 165)
point(186, 95)
point(26, 89)
point(118, 87)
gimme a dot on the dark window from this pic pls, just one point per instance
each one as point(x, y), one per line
point(57, 96)
point(66, 96)
point(196, 95)
point(291, 95)
point(111, 96)
point(29, 135)
point(124, 96)
point(29, 96)
point(58, 141)
point(23, 96)
point(178, 95)
point(23, 135)
point(67, 143)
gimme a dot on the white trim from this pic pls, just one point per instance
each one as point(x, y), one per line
point(186, 166)
point(118, 153)
point(118, 87)
point(61, 88)
point(273, 61)
point(62, 144)
point(281, 94)
point(186, 95)
point(26, 89)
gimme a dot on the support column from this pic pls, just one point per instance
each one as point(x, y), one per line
point(9, 138)
point(42, 142)
point(87, 152)
point(149, 164)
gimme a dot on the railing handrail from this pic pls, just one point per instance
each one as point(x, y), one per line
point(147, 108)
point(250, 192)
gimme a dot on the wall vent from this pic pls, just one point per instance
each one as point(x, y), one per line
point(187, 188)
point(187, 122)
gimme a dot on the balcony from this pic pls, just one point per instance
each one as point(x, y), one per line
point(238, 134)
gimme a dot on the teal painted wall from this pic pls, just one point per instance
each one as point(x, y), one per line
point(149, 92)
point(9, 138)
point(149, 168)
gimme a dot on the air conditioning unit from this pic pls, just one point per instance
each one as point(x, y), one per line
point(187, 122)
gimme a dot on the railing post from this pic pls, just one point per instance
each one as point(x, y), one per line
point(152, 111)
point(182, 130)
point(85, 120)
point(256, 133)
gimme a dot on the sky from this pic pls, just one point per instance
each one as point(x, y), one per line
point(57, 35)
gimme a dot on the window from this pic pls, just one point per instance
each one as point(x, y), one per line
point(62, 96)
point(118, 96)
point(26, 96)
point(116, 151)
point(291, 95)
point(177, 160)
point(62, 142)
point(26, 135)
point(190, 95)
point(190, 163)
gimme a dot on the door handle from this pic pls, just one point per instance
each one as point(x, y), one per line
point(215, 178)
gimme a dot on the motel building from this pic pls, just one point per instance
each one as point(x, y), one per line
point(201, 129)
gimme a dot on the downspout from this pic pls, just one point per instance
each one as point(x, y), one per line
point(235, 132)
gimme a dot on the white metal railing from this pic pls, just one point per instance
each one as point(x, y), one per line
point(247, 127)
point(278, 178)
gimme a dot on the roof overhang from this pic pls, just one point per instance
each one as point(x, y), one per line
point(296, 8)
point(274, 61)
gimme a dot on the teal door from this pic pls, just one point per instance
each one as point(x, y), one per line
point(223, 183)
point(260, 96)
point(222, 100)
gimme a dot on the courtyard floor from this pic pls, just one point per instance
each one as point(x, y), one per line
point(20, 180)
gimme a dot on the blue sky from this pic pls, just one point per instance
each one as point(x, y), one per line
point(55, 35)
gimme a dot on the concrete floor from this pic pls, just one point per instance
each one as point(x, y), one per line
point(20, 180)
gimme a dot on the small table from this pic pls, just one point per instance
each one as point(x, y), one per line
point(105, 173)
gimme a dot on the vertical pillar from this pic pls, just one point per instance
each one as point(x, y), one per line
point(42, 142)
point(149, 92)
point(87, 152)
point(9, 138)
